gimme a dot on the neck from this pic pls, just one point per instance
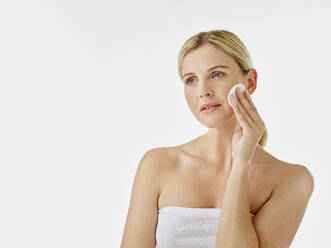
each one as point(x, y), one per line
point(216, 146)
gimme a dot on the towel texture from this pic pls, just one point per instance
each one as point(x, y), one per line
point(183, 227)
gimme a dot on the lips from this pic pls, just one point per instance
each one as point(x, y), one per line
point(209, 104)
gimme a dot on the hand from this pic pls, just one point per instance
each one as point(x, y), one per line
point(249, 127)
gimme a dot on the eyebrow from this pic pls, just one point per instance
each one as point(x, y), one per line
point(216, 66)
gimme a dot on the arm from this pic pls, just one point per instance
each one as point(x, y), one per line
point(235, 227)
point(278, 220)
point(276, 223)
point(142, 215)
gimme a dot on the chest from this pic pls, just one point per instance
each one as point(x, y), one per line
point(195, 186)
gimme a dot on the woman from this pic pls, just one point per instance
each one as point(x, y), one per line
point(221, 189)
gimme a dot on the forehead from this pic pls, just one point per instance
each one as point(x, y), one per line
point(204, 57)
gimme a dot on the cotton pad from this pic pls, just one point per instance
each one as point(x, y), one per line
point(233, 91)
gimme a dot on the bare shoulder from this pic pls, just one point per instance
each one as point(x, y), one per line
point(153, 160)
point(277, 177)
point(147, 183)
point(159, 157)
point(281, 171)
point(157, 161)
point(162, 155)
point(290, 173)
point(143, 207)
point(286, 206)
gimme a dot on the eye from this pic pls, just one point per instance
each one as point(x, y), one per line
point(188, 80)
point(217, 73)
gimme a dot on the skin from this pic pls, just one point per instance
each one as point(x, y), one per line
point(195, 174)
point(207, 160)
point(202, 87)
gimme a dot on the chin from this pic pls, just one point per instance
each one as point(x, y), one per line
point(215, 121)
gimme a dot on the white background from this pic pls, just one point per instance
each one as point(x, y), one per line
point(87, 87)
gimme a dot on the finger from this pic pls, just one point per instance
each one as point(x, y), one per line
point(254, 109)
point(248, 108)
point(240, 116)
point(248, 97)
point(244, 114)
point(244, 111)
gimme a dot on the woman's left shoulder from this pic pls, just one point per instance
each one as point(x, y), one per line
point(293, 169)
point(292, 172)
point(281, 167)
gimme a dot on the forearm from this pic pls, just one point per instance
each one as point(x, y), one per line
point(235, 227)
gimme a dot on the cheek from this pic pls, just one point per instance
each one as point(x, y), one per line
point(189, 99)
point(225, 91)
point(229, 87)
point(193, 102)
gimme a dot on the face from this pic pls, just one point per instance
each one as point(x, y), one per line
point(203, 85)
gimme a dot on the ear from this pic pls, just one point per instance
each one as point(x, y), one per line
point(252, 80)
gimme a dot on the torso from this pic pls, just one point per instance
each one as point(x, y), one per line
point(187, 181)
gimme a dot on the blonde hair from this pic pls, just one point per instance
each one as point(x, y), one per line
point(228, 42)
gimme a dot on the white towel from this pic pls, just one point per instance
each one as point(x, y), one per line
point(184, 227)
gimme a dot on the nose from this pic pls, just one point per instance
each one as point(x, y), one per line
point(206, 92)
